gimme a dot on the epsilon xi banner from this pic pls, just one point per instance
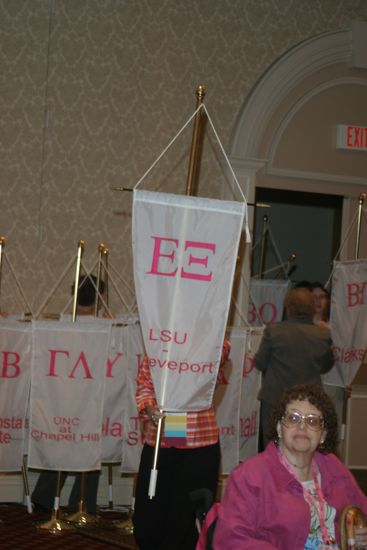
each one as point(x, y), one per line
point(185, 251)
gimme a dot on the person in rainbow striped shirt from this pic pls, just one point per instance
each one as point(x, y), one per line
point(186, 463)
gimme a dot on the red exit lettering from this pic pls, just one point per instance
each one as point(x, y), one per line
point(356, 137)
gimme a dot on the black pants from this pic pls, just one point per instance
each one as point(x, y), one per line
point(167, 522)
point(45, 489)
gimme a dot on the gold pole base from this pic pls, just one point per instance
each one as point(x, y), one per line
point(126, 525)
point(55, 525)
point(82, 519)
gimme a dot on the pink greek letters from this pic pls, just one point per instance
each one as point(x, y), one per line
point(167, 249)
point(356, 294)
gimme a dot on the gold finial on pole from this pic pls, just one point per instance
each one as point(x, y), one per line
point(195, 143)
point(77, 273)
point(361, 200)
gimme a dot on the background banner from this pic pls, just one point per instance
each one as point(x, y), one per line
point(133, 440)
point(266, 301)
point(69, 363)
point(227, 399)
point(15, 375)
point(348, 320)
point(115, 394)
point(250, 405)
point(115, 385)
point(185, 250)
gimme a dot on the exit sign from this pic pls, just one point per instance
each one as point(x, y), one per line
point(353, 138)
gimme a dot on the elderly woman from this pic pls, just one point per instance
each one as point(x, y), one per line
point(290, 496)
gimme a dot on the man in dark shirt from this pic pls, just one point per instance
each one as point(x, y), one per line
point(294, 351)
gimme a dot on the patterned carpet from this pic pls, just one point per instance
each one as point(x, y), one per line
point(20, 531)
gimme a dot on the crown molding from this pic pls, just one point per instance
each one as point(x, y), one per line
point(295, 66)
point(315, 176)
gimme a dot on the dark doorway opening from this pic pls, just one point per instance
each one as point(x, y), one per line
point(305, 224)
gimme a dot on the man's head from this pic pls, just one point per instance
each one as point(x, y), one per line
point(87, 292)
point(299, 303)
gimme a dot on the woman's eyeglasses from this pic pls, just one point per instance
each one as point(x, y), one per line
point(292, 419)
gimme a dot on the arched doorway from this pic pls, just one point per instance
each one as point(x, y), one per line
point(285, 136)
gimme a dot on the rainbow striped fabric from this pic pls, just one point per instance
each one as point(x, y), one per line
point(175, 429)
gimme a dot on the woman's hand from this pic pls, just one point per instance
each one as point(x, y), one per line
point(154, 414)
point(360, 537)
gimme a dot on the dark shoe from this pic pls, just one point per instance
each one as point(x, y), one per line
point(39, 509)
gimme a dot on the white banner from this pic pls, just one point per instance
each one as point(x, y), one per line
point(115, 394)
point(348, 321)
point(227, 399)
point(115, 386)
point(250, 405)
point(185, 251)
point(132, 443)
point(15, 371)
point(266, 301)
point(69, 362)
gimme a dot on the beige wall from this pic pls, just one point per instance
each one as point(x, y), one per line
point(91, 91)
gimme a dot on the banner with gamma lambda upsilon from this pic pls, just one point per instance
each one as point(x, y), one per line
point(118, 392)
point(115, 386)
point(15, 375)
point(185, 251)
point(69, 363)
point(348, 321)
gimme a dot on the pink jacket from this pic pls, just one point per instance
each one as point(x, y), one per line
point(264, 508)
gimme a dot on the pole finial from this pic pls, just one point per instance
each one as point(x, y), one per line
point(200, 93)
